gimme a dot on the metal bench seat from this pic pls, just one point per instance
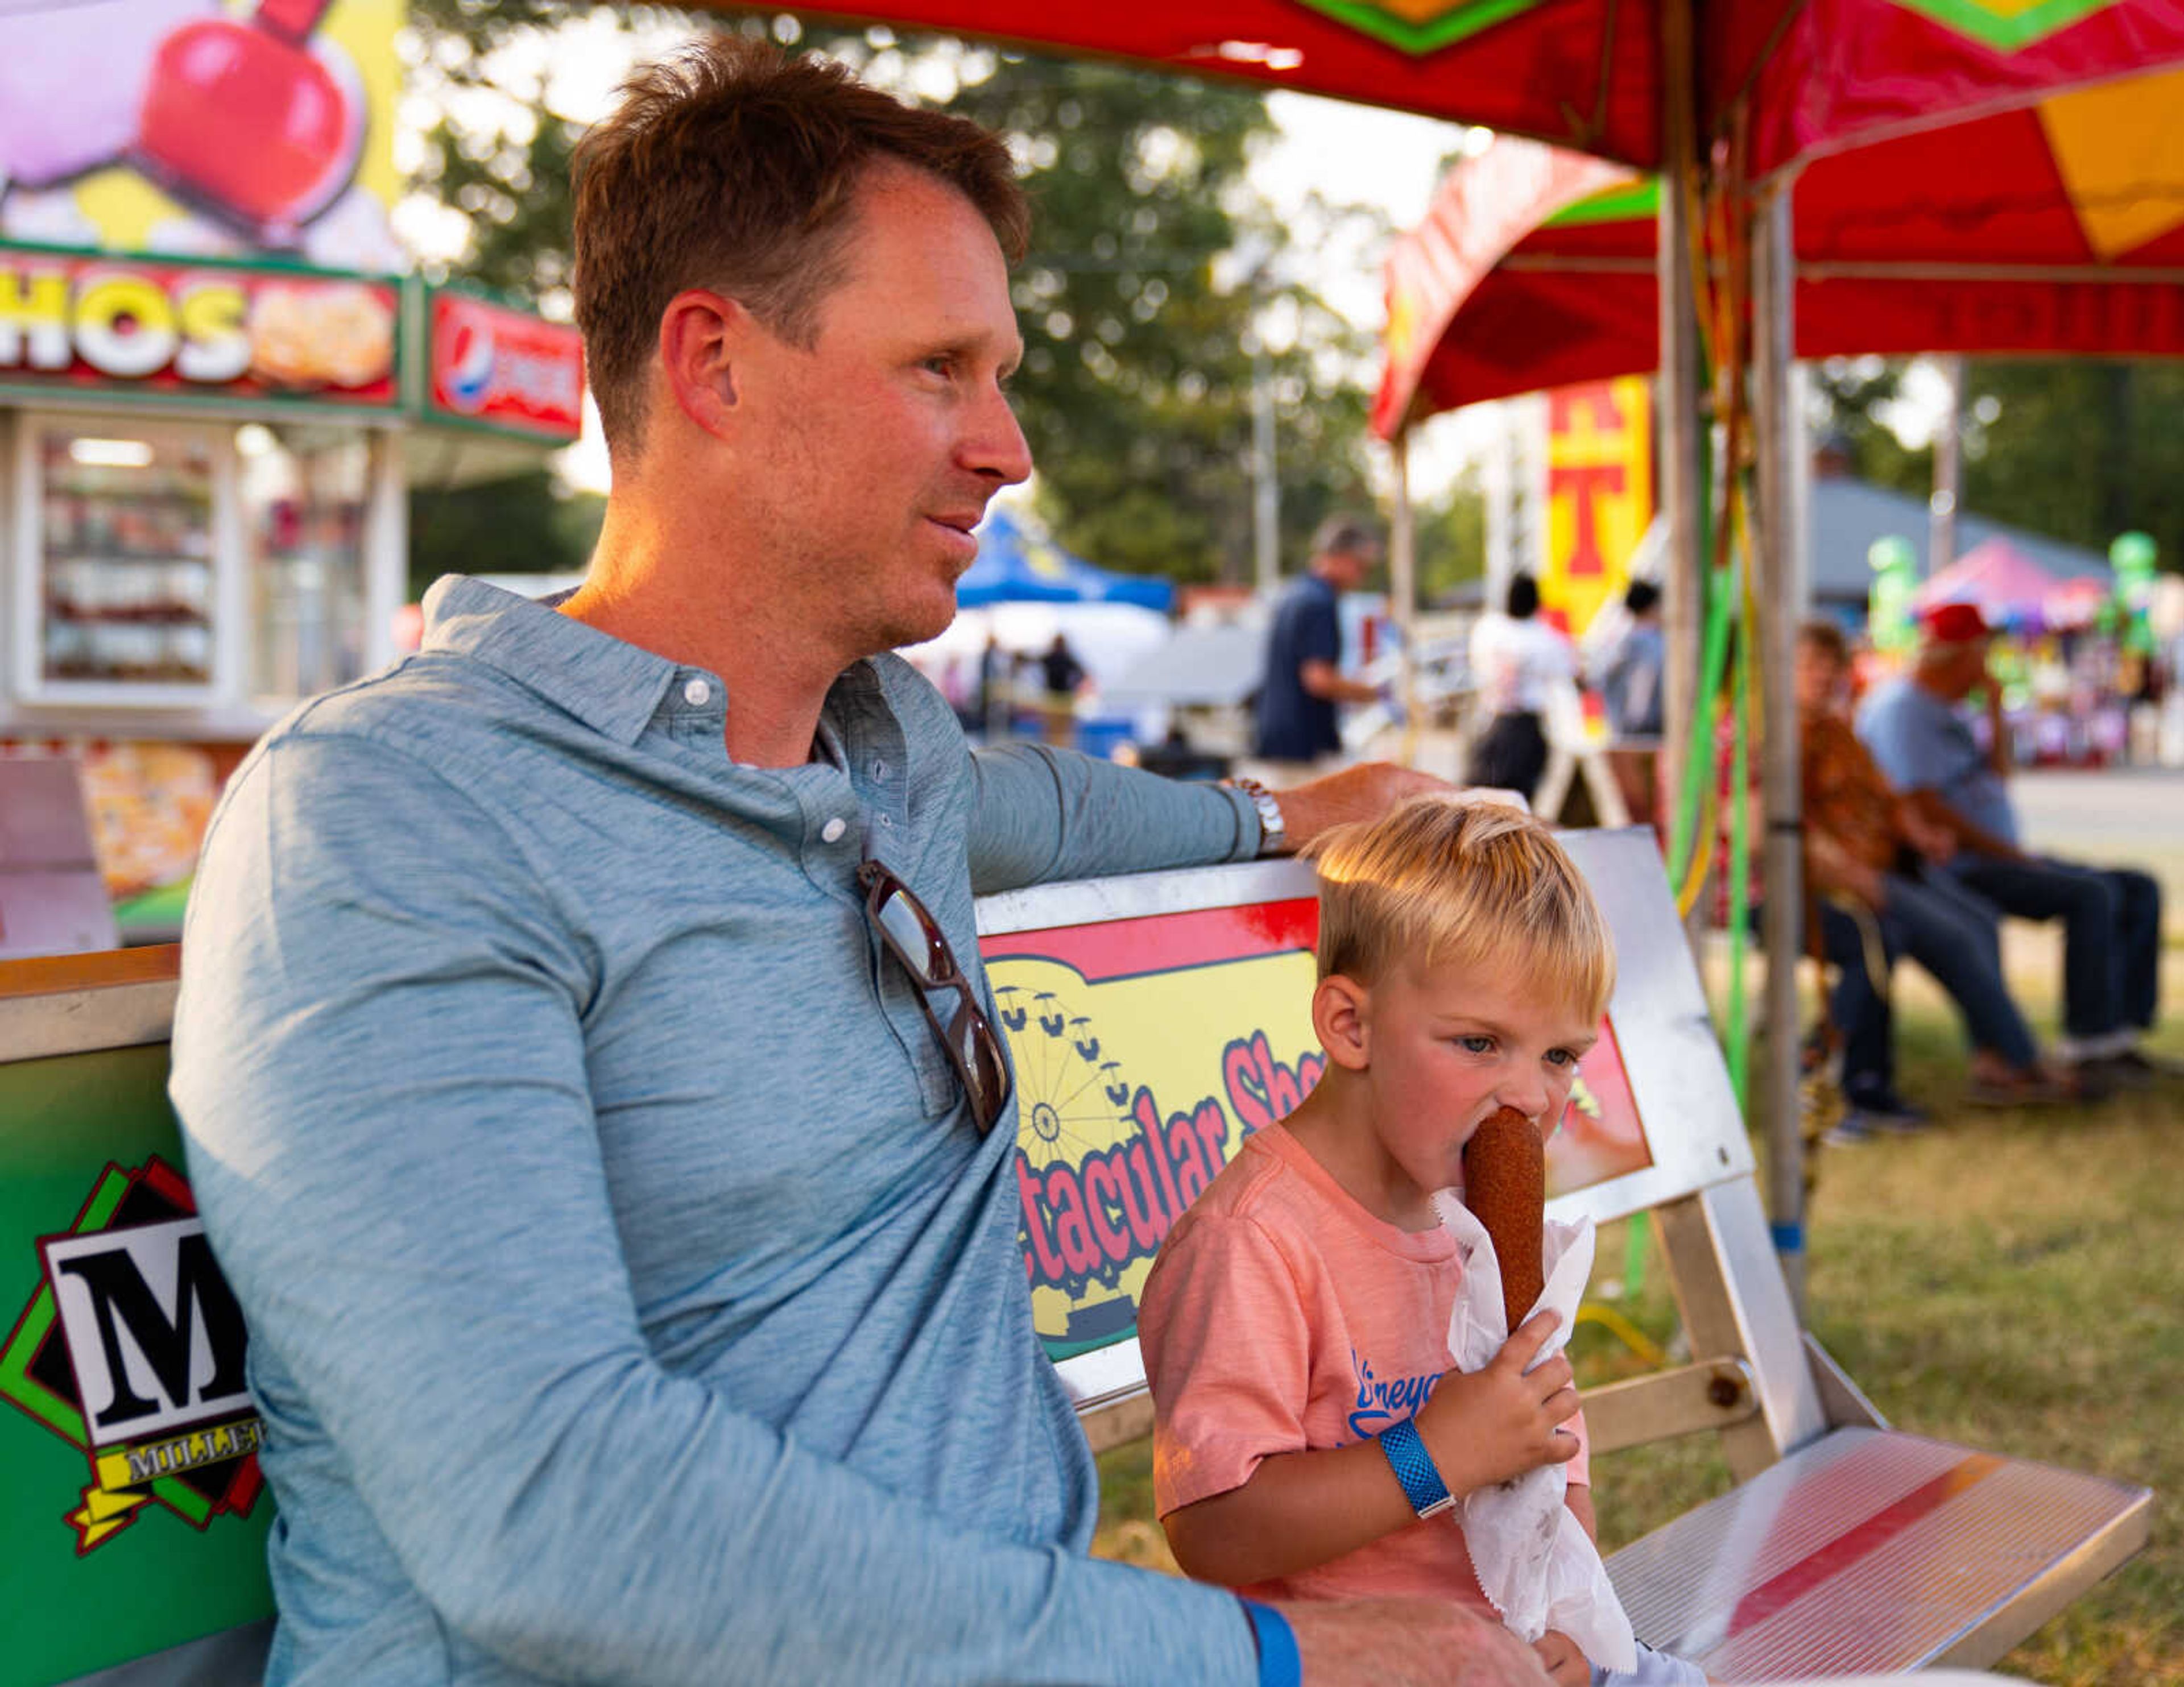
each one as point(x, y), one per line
point(1871, 1551)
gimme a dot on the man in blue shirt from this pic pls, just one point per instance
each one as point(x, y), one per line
point(2111, 916)
point(1303, 680)
point(625, 1229)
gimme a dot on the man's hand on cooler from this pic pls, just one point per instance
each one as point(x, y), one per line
point(1365, 792)
point(1408, 1643)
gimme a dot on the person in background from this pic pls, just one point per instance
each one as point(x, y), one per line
point(1630, 681)
point(1062, 674)
point(2111, 916)
point(997, 669)
point(1631, 693)
point(1517, 660)
point(1875, 862)
point(1296, 733)
point(586, 1066)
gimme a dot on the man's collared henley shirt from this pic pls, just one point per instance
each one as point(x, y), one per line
point(631, 1297)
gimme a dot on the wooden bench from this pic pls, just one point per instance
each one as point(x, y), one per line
point(1154, 1021)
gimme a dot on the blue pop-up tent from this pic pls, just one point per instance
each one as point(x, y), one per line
point(1016, 565)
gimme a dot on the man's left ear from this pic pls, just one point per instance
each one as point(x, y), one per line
point(1341, 1017)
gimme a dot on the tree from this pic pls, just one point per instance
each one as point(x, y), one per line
point(521, 524)
point(1452, 539)
point(2083, 450)
point(1154, 266)
point(1856, 399)
point(497, 158)
point(2080, 450)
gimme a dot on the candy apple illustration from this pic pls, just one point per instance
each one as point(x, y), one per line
point(251, 121)
point(71, 85)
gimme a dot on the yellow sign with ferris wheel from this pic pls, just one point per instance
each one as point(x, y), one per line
point(1145, 1051)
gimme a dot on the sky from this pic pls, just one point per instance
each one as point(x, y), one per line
point(1361, 155)
point(1364, 155)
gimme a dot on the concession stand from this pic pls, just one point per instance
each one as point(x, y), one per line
point(204, 470)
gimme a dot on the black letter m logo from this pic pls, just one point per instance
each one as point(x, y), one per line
point(154, 1331)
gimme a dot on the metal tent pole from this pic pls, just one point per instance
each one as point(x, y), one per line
point(1683, 586)
point(1403, 588)
point(1266, 484)
point(1942, 507)
point(1780, 595)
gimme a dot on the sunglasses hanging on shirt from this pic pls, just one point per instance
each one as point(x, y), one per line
point(907, 931)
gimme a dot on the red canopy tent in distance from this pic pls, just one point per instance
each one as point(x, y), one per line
point(2056, 228)
point(2012, 591)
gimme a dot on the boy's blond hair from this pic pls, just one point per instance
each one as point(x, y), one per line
point(1480, 884)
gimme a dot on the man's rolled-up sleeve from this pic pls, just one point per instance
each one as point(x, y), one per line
point(380, 1067)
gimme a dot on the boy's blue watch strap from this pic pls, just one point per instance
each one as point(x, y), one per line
point(1280, 1665)
point(1415, 1469)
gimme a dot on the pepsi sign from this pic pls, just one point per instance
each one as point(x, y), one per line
point(506, 369)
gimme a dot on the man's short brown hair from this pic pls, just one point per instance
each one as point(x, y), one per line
point(733, 166)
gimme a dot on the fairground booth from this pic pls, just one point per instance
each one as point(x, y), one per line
point(217, 387)
point(219, 382)
point(205, 509)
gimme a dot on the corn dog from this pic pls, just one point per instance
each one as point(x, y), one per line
point(1505, 1185)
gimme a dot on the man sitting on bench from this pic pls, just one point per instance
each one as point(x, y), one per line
point(2111, 916)
point(587, 1069)
point(1874, 857)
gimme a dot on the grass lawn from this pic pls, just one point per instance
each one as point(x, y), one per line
point(2010, 1280)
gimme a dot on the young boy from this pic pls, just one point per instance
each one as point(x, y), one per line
point(1295, 1325)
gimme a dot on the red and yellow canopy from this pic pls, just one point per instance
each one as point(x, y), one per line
point(2057, 228)
point(1815, 75)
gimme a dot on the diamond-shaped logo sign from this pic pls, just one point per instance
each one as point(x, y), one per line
point(131, 1350)
point(2005, 26)
point(1420, 26)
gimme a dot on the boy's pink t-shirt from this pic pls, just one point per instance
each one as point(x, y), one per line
point(1282, 1317)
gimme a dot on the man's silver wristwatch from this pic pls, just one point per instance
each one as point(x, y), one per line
point(1273, 835)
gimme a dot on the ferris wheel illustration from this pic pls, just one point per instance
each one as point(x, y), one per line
point(1072, 1095)
point(1074, 1100)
